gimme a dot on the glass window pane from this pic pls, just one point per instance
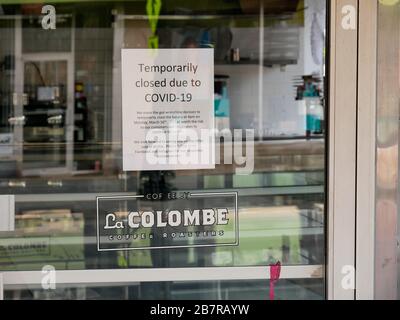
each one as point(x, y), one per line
point(61, 142)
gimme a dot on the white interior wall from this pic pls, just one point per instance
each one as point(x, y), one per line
point(281, 112)
point(283, 115)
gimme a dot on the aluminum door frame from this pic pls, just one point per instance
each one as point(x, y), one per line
point(366, 149)
point(353, 132)
point(342, 149)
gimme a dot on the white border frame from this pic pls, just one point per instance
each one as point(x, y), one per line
point(353, 152)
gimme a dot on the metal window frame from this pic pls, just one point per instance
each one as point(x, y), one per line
point(342, 151)
point(353, 151)
point(366, 149)
point(358, 246)
point(160, 275)
point(77, 278)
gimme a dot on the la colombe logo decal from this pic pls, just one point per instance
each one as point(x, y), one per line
point(170, 220)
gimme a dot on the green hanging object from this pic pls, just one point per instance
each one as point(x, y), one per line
point(153, 9)
point(153, 42)
point(122, 262)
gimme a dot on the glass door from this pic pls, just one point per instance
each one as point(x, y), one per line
point(105, 230)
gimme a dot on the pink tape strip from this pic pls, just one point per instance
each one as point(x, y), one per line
point(275, 273)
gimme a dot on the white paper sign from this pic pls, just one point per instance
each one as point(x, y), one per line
point(168, 109)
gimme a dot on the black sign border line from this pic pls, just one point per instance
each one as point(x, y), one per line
point(194, 194)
